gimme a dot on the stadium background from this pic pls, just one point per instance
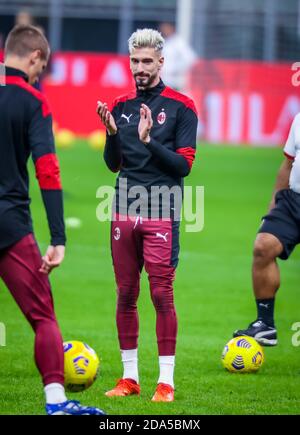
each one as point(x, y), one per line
point(243, 89)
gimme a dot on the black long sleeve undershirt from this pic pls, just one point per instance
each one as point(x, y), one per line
point(173, 163)
point(112, 152)
point(53, 202)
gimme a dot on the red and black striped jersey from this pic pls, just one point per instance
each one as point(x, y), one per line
point(169, 155)
point(26, 129)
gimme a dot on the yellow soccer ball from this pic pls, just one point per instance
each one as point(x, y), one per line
point(242, 355)
point(97, 139)
point(64, 138)
point(81, 366)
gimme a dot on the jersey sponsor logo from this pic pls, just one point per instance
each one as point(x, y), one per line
point(117, 234)
point(162, 236)
point(161, 117)
point(127, 117)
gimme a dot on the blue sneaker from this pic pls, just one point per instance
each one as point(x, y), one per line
point(72, 407)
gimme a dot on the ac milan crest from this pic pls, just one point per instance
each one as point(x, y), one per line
point(161, 117)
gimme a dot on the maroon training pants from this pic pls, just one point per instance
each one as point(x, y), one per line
point(153, 243)
point(19, 269)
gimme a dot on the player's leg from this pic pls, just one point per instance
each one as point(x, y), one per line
point(31, 290)
point(19, 269)
point(127, 258)
point(161, 247)
point(277, 238)
point(265, 270)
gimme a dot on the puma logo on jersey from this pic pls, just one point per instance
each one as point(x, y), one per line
point(126, 117)
point(162, 236)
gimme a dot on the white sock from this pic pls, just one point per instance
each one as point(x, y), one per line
point(55, 393)
point(130, 364)
point(166, 370)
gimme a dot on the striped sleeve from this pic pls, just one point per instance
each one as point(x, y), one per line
point(186, 134)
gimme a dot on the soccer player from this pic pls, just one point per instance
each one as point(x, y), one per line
point(151, 141)
point(277, 237)
point(26, 129)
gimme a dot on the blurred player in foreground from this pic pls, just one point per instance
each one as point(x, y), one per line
point(151, 140)
point(26, 129)
point(277, 237)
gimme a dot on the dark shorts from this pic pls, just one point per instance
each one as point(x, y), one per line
point(284, 221)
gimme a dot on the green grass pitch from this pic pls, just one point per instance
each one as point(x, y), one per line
point(212, 292)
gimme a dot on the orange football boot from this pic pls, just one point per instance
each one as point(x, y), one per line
point(163, 393)
point(124, 387)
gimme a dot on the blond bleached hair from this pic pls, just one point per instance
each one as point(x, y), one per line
point(143, 38)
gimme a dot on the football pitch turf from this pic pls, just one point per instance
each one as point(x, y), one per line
point(212, 293)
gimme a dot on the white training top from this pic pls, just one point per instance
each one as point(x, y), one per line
point(179, 58)
point(292, 151)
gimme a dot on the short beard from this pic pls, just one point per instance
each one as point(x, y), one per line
point(147, 84)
